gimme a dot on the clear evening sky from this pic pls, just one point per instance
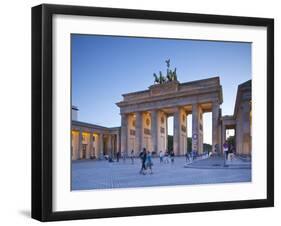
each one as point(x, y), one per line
point(105, 67)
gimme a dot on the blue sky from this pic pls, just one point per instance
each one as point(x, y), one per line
point(105, 67)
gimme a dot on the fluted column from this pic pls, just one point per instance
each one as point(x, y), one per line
point(117, 142)
point(80, 145)
point(223, 137)
point(215, 125)
point(90, 151)
point(176, 136)
point(109, 145)
point(139, 131)
point(100, 146)
point(166, 134)
point(246, 127)
point(195, 127)
point(124, 133)
point(183, 137)
point(154, 130)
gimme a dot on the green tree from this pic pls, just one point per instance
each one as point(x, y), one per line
point(189, 144)
point(231, 140)
point(207, 147)
point(170, 143)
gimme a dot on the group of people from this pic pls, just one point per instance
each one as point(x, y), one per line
point(166, 157)
point(228, 150)
point(120, 155)
point(190, 156)
point(123, 156)
point(146, 161)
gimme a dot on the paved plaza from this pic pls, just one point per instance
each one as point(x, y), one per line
point(101, 174)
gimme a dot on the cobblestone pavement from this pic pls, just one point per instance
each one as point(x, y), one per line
point(101, 174)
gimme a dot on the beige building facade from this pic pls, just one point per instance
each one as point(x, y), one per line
point(241, 120)
point(91, 141)
point(144, 116)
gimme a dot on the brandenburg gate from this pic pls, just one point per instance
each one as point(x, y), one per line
point(144, 115)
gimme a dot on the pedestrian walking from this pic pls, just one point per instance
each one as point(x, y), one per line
point(132, 156)
point(161, 155)
point(225, 150)
point(124, 156)
point(166, 157)
point(187, 159)
point(149, 162)
point(143, 159)
point(172, 156)
point(118, 155)
point(193, 155)
point(231, 152)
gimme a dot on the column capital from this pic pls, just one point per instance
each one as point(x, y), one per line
point(138, 112)
point(154, 111)
point(177, 109)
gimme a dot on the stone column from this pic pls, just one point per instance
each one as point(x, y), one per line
point(109, 145)
point(246, 128)
point(166, 134)
point(195, 127)
point(239, 133)
point(176, 136)
point(100, 146)
point(90, 152)
point(154, 130)
point(124, 133)
point(223, 137)
point(117, 142)
point(114, 147)
point(220, 132)
point(139, 132)
point(215, 125)
point(185, 134)
point(80, 145)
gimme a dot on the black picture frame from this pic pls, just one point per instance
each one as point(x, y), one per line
point(42, 111)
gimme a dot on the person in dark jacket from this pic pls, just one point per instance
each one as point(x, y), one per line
point(118, 156)
point(143, 158)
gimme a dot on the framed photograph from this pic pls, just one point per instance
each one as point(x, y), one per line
point(145, 112)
